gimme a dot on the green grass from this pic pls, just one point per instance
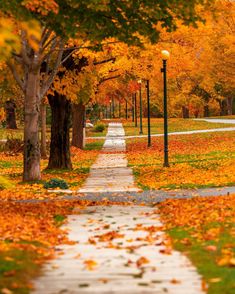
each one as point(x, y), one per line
point(205, 260)
point(96, 145)
point(174, 125)
point(17, 267)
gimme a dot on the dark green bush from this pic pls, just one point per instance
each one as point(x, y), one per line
point(56, 183)
point(99, 128)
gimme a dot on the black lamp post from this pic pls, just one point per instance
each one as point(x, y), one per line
point(133, 109)
point(110, 102)
point(141, 108)
point(165, 56)
point(119, 109)
point(126, 110)
point(135, 102)
point(113, 107)
point(148, 108)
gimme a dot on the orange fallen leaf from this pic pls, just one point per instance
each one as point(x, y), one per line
point(142, 260)
point(90, 264)
point(175, 281)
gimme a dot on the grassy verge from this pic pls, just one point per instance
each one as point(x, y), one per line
point(175, 125)
point(203, 229)
point(196, 161)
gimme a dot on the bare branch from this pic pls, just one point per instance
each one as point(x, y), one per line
point(16, 76)
point(24, 48)
point(105, 61)
point(46, 85)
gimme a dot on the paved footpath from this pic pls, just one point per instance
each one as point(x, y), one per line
point(110, 172)
point(117, 249)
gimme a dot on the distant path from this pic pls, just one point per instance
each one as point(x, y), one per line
point(176, 133)
point(217, 120)
point(110, 172)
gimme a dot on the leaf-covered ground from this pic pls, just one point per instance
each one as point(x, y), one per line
point(204, 229)
point(174, 125)
point(198, 160)
point(12, 167)
point(29, 233)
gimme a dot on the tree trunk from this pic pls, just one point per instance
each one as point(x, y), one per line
point(10, 114)
point(60, 125)
point(78, 124)
point(229, 102)
point(31, 125)
point(185, 112)
point(43, 131)
point(223, 107)
point(206, 111)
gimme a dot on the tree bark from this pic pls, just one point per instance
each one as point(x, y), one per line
point(31, 125)
point(10, 114)
point(223, 107)
point(43, 131)
point(206, 111)
point(229, 102)
point(78, 111)
point(60, 125)
point(185, 112)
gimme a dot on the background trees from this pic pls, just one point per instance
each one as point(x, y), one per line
point(44, 44)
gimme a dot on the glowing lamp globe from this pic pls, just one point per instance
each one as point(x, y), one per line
point(165, 54)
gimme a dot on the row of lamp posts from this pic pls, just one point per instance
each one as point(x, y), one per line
point(165, 57)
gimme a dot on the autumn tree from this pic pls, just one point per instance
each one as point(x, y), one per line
point(44, 30)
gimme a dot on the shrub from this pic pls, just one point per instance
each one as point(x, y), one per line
point(56, 183)
point(99, 128)
point(5, 183)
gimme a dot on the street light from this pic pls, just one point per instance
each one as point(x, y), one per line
point(110, 102)
point(148, 108)
point(135, 100)
point(141, 108)
point(165, 57)
point(126, 110)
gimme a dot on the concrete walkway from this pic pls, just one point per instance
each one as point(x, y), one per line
point(217, 120)
point(110, 172)
point(118, 249)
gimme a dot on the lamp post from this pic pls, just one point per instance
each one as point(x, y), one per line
point(148, 108)
point(133, 109)
point(119, 109)
point(126, 111)
point(165, 57)
point(135, 100)
point(110, 110)
point(113, 107)
point(141, 108)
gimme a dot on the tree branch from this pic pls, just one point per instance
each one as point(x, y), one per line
point(16, 76)
point(46, 85)
point(113, 59)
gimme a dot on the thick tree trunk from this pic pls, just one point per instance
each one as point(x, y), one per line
point(31, 124)
point(10, 114)
point(43, 131)
point(78, 124)
point(60, 125)
point(185, 112)
point(229, 105)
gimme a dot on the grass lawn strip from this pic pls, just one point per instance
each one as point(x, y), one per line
point(204, 229)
